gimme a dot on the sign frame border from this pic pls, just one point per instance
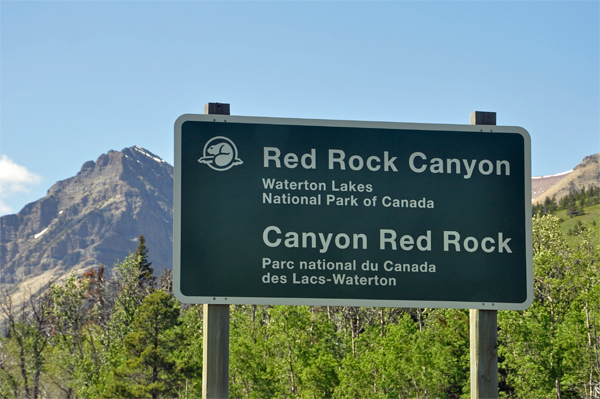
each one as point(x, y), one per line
point(493, 129)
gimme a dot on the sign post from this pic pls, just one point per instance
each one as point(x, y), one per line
point(348, 213)
point(215, 352)
point(484, 325)
point(215, 335)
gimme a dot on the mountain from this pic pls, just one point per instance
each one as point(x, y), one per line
point(541, 184)
point(90, 219)
point(584, 174)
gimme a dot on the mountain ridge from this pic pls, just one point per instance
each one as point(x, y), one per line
point(92, 218)
point(585, 173)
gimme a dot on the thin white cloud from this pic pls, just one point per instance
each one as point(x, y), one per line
point(4, 209)
point(14, 179)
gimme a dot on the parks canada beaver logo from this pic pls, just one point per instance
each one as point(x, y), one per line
point(220, 154)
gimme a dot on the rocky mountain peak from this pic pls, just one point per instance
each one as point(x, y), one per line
point(590, 160)
point(92, 218)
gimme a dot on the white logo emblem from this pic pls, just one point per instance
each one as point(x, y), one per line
point(220, 154)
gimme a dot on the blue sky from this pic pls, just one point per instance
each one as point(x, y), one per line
point(80, 78)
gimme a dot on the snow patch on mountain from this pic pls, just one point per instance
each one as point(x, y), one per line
point(148, 154)
point(555, 175)
point(41, 233)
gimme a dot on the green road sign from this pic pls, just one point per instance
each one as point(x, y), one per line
point(344, 213)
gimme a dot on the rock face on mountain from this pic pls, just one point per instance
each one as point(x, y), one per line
point(584, 174)
point(92, 218)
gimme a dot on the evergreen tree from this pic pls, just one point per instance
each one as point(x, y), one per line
point(146, 277)
point(150, 369)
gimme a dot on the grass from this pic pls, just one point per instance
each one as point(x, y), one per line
point(591, 214)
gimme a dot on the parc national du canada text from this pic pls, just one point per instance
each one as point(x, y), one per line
point(349, 193)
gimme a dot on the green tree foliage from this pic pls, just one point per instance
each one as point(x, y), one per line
point(252, 370)
point(574, 202)
point(303, 343)
point(150, 369)
point(146, 278)
point(24, 349)
point(188, 353)
point(74, 355)
point(406, 362)
point(283, 351)
point(577, 230)
point(549, 350)
point(105, 337)
point(130, 296)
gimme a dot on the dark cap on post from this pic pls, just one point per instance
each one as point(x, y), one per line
point(216, 109)
point(483, 118)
